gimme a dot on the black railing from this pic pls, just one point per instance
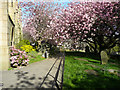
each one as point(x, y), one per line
point(62, 62)
point(61, 57)
point(62, 70)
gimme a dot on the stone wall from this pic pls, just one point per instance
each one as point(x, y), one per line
point(10, 30)
point(14, 13)
point(4, 54)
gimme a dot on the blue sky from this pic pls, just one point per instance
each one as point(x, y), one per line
point(63, 2)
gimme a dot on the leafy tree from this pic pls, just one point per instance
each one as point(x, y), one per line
point(36, 18)
point(97, 24)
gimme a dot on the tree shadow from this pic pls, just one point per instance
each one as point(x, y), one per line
point(93, 82)
point(87, 60)
point(82, 80)
point(83, 54)
point(96, 56)
point(27, 81)
point(24, 81)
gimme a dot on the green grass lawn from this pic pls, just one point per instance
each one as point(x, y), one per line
point(36, 59)
point(75, 75)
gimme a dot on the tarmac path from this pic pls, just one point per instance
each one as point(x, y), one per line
point(36, 75)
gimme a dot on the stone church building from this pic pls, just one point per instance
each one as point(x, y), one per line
point(10, 29)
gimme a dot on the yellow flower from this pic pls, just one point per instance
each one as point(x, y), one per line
point(33, 49)
point(27, 48)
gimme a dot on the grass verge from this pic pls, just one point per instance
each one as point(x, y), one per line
point(97, 76)
point(36, 59)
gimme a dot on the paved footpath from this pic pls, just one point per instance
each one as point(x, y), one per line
point(32, 76)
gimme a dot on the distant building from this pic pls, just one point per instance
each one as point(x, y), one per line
point(78, 46)
point(10, 29)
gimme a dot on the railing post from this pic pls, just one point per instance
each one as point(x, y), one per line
point(61, 63)
point(62, 70)
point(56, 76)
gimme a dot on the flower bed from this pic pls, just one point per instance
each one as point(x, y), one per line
point(18, 57)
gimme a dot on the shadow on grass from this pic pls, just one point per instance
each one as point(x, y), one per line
point(83, 54)
point(116, 57)
point(91, 82)
point(96, 56)
point(75, 76)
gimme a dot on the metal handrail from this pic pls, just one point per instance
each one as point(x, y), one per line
point(48, 72)
point(63, 70)
point(57, 73)
point(62, 61)
point(56, 76)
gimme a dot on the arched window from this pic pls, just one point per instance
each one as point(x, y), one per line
point(10, 32)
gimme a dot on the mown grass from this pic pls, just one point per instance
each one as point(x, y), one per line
point(36, 59)
point(75, 76)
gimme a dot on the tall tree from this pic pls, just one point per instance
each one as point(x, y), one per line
point(97, 24)
point(36, 17)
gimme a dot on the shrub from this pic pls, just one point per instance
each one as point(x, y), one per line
point(18, 57)
point(27, 48)
point(21, 43)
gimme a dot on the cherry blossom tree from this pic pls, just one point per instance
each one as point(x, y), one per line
point(97, 24)
point(36, 18)
point(105, 32)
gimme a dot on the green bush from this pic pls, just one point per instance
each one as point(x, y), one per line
point(21, 43)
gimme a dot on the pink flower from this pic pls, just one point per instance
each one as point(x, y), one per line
point(21, 51)
point(11, 53)
point(23, 63)
point(16, 56)
point(21, 57)
point(15, 49)
point(15, 64)
point(12, 62)
point(26, 56)
point(27, 60)
point(16, 52)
